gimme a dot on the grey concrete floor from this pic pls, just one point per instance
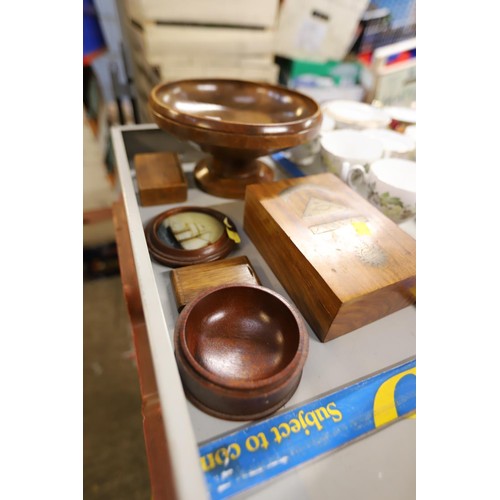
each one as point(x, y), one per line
point(115, 464)
point(114, 457)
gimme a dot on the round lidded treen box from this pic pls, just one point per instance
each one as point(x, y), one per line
point(240, 350)
point(189, 235)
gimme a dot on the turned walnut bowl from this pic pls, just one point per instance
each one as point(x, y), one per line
point(236, 122)
point(240, 350)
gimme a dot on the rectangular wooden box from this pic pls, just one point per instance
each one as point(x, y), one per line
point(342, 261)
point(189, 281)
point(160, 178)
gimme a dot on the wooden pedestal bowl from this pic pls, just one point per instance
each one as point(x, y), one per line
point(240, 350)
point(167, 250)
point(236, 122)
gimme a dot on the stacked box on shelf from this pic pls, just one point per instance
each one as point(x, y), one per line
point(172, 40)
point(255, 14)
point(389, 74)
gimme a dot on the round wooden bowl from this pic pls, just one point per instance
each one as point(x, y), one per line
point(236, 121)
point(165, 249)
point(240, 350)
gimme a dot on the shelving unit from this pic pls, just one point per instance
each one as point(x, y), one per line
point(169, 40)
point(380, 466)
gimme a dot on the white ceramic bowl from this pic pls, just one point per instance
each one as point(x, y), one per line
point(392, 188)
point(402, 114)
point(396, 145)
point(401, 117)
point(328, 123)
point(355, 115)
point(411, 131)
point(342, 149)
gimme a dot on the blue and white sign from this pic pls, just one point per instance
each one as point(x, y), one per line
point(261, 451)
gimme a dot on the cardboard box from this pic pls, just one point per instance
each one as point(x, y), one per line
point(318, 30)
point(391, 76)
point(258, 13)
point(160, 41)
point(342, 262)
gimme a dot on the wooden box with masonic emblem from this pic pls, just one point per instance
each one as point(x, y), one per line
point(342, 261)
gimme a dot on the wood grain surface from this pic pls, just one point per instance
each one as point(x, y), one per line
point(158, 453)
point(160, 178)
point(240, 350)
point(343, 262)
point(189, 281)
point(236, 122)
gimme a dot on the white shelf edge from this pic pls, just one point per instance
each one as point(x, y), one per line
point(188, 478)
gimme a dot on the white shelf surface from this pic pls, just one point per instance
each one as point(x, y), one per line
point(379, 466)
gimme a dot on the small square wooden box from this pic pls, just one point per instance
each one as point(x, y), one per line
point(189, 281)
point(160, 179)
point(342, 261)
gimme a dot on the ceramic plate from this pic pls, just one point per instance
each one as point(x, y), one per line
point(357, 114)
